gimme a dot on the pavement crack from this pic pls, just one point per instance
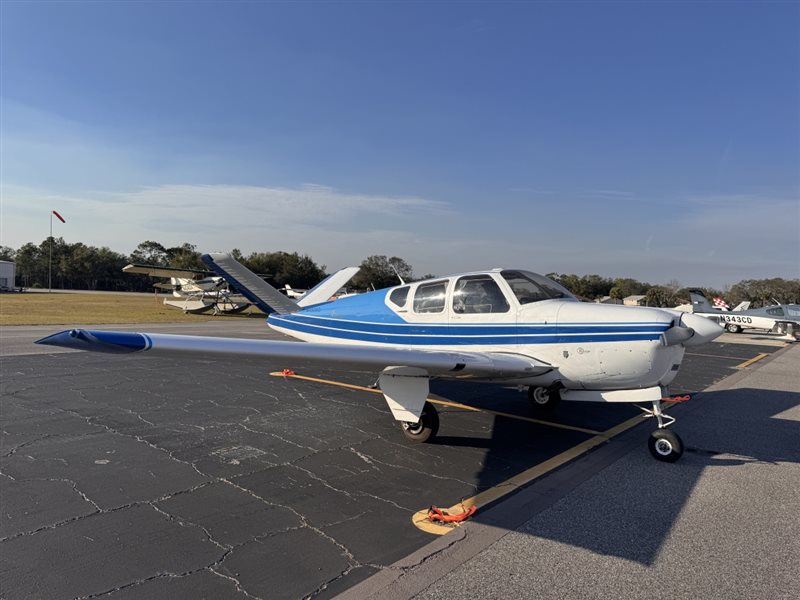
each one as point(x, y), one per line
point(103, 511)
point(184, 523)
point(304, 522)
point(93, 421)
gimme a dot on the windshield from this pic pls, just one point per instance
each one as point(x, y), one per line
point(530, 287)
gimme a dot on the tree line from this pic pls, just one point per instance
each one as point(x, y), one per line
point(78, 266)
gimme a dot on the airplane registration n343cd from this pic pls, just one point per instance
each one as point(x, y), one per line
point(499, 325)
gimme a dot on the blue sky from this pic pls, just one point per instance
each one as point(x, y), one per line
point(654, 140)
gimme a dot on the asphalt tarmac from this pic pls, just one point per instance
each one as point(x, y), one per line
point(152, 477)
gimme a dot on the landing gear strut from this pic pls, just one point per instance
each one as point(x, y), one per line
point(424, 429)
point(664, 445)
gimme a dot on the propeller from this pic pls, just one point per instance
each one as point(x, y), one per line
point(692, 330)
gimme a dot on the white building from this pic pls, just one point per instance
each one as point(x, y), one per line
point(8, 274)
point(635, 300)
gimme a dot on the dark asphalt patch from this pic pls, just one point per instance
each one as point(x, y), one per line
point(160, 477)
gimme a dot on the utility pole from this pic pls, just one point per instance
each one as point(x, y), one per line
point(50, 262)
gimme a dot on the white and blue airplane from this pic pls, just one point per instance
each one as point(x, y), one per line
point(500, 325)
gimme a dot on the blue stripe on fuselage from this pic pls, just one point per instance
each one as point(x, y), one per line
point(442, 335)
point(367, 318)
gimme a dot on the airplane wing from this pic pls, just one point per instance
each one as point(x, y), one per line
point(440, 363)
point(156, 271)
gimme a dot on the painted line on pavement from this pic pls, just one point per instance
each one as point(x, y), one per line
point(750, 361)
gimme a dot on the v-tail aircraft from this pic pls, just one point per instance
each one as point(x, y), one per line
point(501, 325)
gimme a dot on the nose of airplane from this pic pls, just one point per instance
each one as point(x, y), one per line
point(704, 329)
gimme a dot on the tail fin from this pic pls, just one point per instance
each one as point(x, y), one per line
point(326, 288)
point(700, 303)
point(250, 285)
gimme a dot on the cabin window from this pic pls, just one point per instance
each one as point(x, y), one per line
point(775, 312)
point(529, 287)
point(399, 296)
point(429, 297)
point(478, 294)
point(794, 311)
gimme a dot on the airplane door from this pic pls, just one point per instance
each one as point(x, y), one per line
point(428, 314)
point(480, 314)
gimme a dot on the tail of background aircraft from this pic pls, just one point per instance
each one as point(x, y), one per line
point(700, 303)
point(266, 297)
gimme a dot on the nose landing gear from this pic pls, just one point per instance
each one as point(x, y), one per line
point(665, 445)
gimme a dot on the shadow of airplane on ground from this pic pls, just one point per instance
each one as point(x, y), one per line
point(631, 511)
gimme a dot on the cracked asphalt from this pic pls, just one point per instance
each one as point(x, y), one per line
point(150, 477)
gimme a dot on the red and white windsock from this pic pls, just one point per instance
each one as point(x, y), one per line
point(60, 218)
point(720, 303)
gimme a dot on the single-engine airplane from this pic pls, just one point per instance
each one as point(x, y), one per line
point(194, 290)
point(500, 325)
point(781, 318)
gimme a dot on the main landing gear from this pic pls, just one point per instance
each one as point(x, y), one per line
point(664, 445)
point(425, 428)
point(544, 400)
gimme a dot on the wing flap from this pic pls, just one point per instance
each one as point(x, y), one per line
point(435, 362)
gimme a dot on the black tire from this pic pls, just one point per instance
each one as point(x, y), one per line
point(543, 400)
point(425, 429)
point(665, 445)
point(733, 328)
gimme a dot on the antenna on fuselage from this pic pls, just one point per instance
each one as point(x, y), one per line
point(397, 273)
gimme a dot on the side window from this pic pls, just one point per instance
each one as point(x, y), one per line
point(429, 297)
point(478, 294)
point(777, 311)
point(524, 289)
point(399, 296)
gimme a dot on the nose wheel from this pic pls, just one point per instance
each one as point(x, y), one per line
point(425, 429)
point(664, 444)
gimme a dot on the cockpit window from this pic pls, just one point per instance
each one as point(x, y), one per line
point(478, 294)
point(529, 287)
point(429, 297)
point(399, 296)
point(775, 312)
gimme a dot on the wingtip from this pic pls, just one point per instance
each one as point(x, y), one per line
point(58, 339)
point(115, 342)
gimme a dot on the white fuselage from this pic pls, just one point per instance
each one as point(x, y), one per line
point(590, 346)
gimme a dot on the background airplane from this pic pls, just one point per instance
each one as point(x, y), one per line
point(193, 290)
point(780, 318)
point(501, 325)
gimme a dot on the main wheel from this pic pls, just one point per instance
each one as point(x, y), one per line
point(665, 445)
point(733, 328)
point(424, 429)
point(542, 399)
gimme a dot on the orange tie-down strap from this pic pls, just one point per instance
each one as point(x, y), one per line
point(676, 399)
point(441, 516)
